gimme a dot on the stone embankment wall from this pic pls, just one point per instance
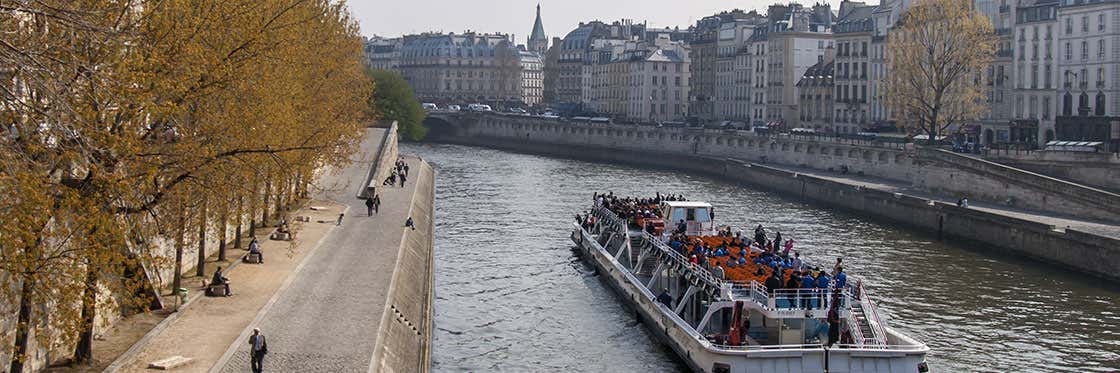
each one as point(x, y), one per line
point(405, 334)
point(1101, 170)
point(383, 164)
point(682, 149)
point(929, 169)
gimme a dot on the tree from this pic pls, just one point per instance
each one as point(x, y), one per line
point(393, 99)
point(936, 57)
point(121, 119)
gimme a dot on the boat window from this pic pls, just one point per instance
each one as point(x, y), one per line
point(691, 215)
point(721, 368)
point(677, 215)
point(701, 215)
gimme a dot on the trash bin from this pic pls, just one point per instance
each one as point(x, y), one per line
point(182, 294)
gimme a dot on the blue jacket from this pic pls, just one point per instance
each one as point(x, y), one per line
point(808, 282)
point(841, 280)
point(822, 282)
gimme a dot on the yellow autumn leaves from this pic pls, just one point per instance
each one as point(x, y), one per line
point(128, 123)
point(937, 56)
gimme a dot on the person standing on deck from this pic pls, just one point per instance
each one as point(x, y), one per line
point(808, 283)
point(777, 241)
point(718, 272)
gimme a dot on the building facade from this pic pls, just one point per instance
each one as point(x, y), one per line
point(798, 39)
point(383, 53)
point(814, 94)
point(853, 32)
point(1089, 65)
point(638, 80)
point(532, 78)
point(463, 68)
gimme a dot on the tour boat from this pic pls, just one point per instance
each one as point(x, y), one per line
point(733, 323)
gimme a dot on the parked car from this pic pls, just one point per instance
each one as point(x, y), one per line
point(429, 106)
point(453, 108)
point(479, 107)
point(518, 110)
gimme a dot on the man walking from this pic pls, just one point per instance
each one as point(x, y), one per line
point(376, 203)
point(369, 206)
point(257, 348)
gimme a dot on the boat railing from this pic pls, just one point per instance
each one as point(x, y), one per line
point(751, 347)
point(855, 330)
point(679, 261)
point(878, 328)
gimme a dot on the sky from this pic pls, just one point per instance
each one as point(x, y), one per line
point(391, 18)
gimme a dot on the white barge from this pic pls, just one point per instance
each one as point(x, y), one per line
point(721, 325)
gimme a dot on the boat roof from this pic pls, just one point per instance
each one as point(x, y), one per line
point(687, 204)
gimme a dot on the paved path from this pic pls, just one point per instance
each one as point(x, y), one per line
point(1059, 222)
point(327, 319)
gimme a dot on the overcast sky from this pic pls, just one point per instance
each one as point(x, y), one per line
point(398, 17)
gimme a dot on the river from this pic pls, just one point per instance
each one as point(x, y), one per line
point(511, 294)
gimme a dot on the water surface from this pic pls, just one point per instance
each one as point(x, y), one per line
point(511, 295)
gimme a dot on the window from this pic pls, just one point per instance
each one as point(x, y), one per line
point(1045, 108)
point(1100, 103)
point(1084, 50)
point(1100, 77)
point(1069, 26)
point(1069, 52)
point(1033, 107)
point(1100, 22)
point(1046, 80)
point(1100, 48)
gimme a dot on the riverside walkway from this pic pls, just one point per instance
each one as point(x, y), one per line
point(320, 301)
point(1059, 222)
point(329, 318)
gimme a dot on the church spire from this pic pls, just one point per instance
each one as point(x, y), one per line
point(538, 41)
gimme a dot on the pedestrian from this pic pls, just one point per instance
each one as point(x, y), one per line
point(408, 223)
point(258, 347)
point(369, 206)
point(340, 215)
point(406, 169)
point(376, 203)
point(402, 180)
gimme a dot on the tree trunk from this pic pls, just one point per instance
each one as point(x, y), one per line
point(200, 269)
point(23, 327)
point(253, 208)
point(222, 228)
point(83, 351)
point(177, 280)
point(240, 212)
point(264, 210)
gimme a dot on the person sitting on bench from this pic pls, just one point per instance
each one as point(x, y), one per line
point(221, 280)
point(282, 226)
point(255, 248)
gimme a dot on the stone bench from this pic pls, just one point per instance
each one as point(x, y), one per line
point(252, 258)
point(169, 363)
point(216, 290)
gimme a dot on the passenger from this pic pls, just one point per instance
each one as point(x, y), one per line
point(808, 284)
point(742, 260)
point(794, 281)
point(841, 278)
point(823, 286)
point(777, 244)
point(773, 282)
point(796, 265)
point(718, 272)
point(833, 327)
point(693, 260)
point(665, 298)
point(788, 247)
point(682, 227)
point(836, 267)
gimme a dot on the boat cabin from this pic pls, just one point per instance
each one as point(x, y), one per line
point(698, 217)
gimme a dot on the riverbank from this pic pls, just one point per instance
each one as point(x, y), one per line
point(343, 259)
point(1012, 231)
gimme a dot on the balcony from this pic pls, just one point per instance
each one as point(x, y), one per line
point(1004, 8)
